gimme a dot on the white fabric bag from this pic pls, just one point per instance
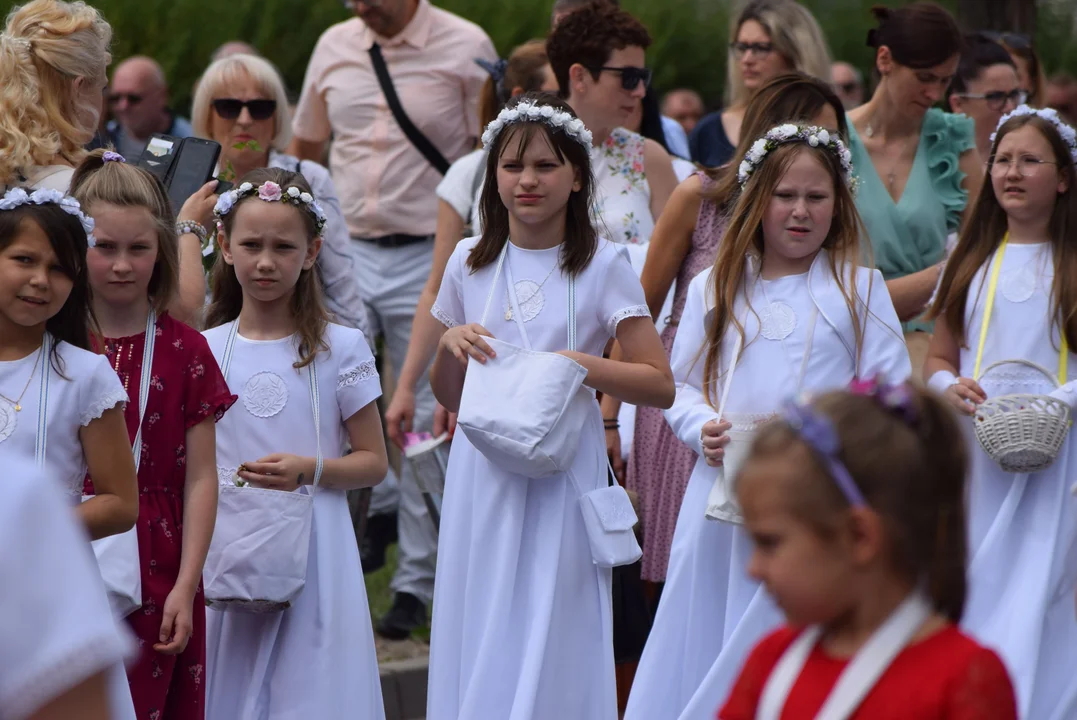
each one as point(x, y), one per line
point(610, 520)
point(257, 559)
point(117, 555)
point(527, 428)
point(859, 676)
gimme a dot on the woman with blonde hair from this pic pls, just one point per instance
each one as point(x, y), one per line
point(242, 104)
point(769, 37)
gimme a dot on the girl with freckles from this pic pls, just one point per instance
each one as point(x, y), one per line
point(785, 309)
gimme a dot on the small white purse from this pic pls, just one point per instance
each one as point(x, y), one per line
point(524, 410)
point(610, 520)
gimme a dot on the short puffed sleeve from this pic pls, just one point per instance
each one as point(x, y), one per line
point(206, 393)
point(621, 295)
point(100, 389)
point(358, 383)
point(56, 629)
point(449, 306)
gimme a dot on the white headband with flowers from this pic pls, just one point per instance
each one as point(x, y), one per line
point(16, 197)
point(529, 111)
point(1069, 135)
point(270, 191)
point(790, 133)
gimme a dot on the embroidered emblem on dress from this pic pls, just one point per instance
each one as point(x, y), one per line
point(8, 421)
point(265, 394)
point(1020, 286)
point(777, 321)
point(531, 299)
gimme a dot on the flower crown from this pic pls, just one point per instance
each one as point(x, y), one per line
point(270, 191)
point(790, 133)
point(1069, 135)
point(530, 111)
point(18, 196)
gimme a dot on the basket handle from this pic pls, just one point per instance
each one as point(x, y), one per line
point(1026, 363)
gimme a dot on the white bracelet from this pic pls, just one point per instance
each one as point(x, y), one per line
point(942, 381)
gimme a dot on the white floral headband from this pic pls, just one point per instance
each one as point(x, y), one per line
point(529, 111)
point(270, 191)
point(790, 133)
point(1069, 135)
point(16, 197)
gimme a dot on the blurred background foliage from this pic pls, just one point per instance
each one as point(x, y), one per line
point(690, 36)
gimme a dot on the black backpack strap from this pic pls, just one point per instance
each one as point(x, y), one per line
point(420, 141)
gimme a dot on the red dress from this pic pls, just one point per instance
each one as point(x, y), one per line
point(186, 387)
point(944, 677)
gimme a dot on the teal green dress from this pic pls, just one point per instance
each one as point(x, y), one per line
point(910, 235)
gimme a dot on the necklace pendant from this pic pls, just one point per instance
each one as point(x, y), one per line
point(18, 407)
point(508, 314)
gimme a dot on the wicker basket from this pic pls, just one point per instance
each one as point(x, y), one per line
point(1023, 433)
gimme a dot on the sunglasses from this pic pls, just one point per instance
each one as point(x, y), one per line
point(743, 48)
point(131, 98)
point(997, 100)
point(230, 108)
point(1017, 41)
point(631, 77)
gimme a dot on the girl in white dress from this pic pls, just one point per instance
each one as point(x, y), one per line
point(522, 614)
point(315, 659)
point(61, 405)
point(1016, 263)
point(785, 309)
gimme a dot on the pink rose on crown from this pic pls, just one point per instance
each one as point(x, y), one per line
point(269, 191)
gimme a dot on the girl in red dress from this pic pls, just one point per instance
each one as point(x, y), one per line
point(133, 271)
point(855, 502)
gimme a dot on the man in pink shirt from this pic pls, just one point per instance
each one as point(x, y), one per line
point(386, 180)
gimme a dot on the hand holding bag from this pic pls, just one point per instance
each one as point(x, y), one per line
point(257, 560)
point(117, 555)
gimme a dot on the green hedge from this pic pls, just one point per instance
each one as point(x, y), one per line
point(689, 50)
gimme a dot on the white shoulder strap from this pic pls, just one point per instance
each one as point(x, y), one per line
point(144, 384)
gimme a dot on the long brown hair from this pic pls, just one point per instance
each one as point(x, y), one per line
point(988, 224)
point(789, 97)
point(913, 474)
point(307, 305)
point(118, 183)
point(581, 238)
point(744, 235)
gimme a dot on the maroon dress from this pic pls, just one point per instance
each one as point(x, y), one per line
point(186, 387)
point(659, 465)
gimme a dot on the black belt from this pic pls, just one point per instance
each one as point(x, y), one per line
point(395, 241)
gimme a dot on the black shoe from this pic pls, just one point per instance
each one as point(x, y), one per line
point(380, 534)
point(406, 614)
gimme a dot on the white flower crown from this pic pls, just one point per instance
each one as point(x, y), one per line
point(270, 191)
point(789, 133)
point(1069, 135)
point(18, 196)
point(530, 111)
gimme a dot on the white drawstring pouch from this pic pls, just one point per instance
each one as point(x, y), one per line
point(257, 559)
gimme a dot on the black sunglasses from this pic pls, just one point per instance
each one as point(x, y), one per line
point(631, 77)
point(131, 98)
point(230, 108)
point(1017, 41)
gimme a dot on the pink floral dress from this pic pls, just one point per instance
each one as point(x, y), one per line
point(186, 388)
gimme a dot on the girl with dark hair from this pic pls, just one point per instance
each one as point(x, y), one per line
point(61, 405)
point(918, 165)
point(855, 504)
point(539, 276)
point(1008, 295)
point(272, 338)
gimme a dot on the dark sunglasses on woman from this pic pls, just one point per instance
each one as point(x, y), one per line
point(230, 108)
point(631, 77)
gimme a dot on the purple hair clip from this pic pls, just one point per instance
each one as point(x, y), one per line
point(113, 156)
point(896, 399)
point(819, 433)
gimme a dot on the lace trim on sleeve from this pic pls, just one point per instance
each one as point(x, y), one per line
point(105, 402)
point(443, 317)
point(356, 375)
point(624, 314)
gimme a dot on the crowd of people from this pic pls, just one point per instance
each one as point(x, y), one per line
point(757, 413)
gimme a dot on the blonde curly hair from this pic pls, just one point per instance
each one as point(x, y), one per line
point(45, 46)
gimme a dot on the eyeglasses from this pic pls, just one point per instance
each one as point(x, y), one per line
point(230, 108)
point(132, 98)
point(742, 48)
point(631, 77)
point(848, 88)
point(997, 100)
point(1027, 165)
point(1017, 41)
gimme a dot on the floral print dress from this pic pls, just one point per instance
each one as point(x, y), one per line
point(186, 387)
point(622, 206)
